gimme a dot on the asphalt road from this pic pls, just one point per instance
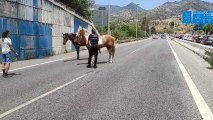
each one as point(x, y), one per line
point(143, 83)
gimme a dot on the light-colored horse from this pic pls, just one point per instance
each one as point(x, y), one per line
point(107, 41)
point(81, 40)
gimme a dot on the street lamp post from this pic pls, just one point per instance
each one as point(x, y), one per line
point(174, 25)
point(109, 19)
point(175, 21)
point(102, 21)
point(146, 25)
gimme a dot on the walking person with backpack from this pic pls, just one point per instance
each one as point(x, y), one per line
point(6, 49)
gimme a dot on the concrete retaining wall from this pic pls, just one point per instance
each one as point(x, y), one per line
point(36, 26)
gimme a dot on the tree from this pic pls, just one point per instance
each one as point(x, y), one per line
point(208, 29)
point(113, 26)
point(81, 7)
point(153, 30)
point(172, 24)
point(195, 28)
point(121, 35)
point(144, 24)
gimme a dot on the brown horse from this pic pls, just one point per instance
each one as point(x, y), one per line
point(80, 40)
point(77, 41)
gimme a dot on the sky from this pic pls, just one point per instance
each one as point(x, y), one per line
point(146, 4)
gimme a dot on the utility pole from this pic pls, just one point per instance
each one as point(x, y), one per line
point(109, 19)
point(146, 25)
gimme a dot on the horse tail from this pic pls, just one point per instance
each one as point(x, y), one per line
point(115, 40)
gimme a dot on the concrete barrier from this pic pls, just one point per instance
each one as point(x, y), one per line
point(202, 50)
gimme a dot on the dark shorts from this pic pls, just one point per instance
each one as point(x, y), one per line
point(6, 58)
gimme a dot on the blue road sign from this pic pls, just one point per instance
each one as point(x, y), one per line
point(198, 17)
point(187, 17)
point(209, 17)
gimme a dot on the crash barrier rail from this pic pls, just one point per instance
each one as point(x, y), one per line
point(129, 40)
point(202, 50)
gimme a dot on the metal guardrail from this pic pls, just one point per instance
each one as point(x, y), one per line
point(128, 40)
point(204, 51)
point(200, 46)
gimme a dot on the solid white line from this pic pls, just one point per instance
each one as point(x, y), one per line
point(40, 64)
point(204, 109)
point(39, 97)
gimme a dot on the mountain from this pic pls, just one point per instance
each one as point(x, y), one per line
point(164, 11)
point(113, 8)
point(176, 8)
point(127, 12)
point(116, 9)
point(133, 7)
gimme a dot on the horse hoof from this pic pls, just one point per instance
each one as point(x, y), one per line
point(110, 62)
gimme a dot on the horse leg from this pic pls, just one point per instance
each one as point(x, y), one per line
point(110, 54)
point(78, 50)
point(113, 52)
point(99, 49)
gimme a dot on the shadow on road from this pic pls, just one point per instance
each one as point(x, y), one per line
point(10, 75)
point(104, 62)
point(13, 74)
point(75, 59)
point(210, 68)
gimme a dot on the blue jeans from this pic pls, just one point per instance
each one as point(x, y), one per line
point(6, 58)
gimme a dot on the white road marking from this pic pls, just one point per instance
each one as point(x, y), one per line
point(204, 109)
point(41, 96)
point(134, 51)
point(40, 64)
point(139, 48)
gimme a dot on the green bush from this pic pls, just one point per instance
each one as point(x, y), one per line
point(211, 61)
point(120, 35)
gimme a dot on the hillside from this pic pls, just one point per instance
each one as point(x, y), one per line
point(176, 8)
point(160, 17)
point(164, 11)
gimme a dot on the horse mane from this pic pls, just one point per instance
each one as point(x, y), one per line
point(81, 32)
point(74, 35)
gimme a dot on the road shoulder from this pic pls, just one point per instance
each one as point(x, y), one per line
point(199, 70)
